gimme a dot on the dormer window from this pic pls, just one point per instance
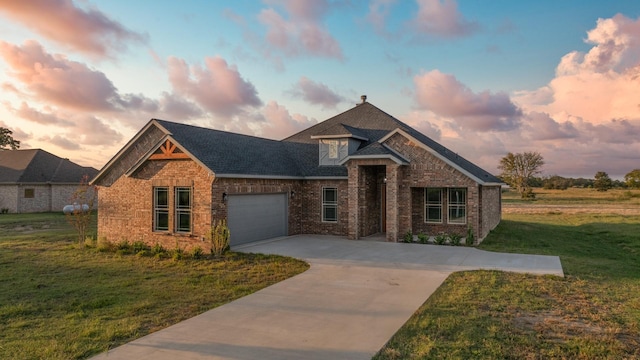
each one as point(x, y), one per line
point(333, 149)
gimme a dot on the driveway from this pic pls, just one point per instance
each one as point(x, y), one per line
point(354, 297)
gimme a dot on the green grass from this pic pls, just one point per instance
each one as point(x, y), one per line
point(593, 313)
point(575, 196)
point(60, 300)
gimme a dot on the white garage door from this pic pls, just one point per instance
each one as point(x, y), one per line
point(256, 217)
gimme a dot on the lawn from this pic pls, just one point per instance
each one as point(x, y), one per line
point(593, 313)
point(61, 300)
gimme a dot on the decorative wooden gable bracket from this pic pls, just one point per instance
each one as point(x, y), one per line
point(167, 151)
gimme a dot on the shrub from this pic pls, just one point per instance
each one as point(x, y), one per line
point(469, 241)
point(219, 235)
point(423, 238)
point(138, 246)
point(123, 246)
point(408, 237)
point(440, 239)
point(157, 250)
point(455, 239)
point(197, 252)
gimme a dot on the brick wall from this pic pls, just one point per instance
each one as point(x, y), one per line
point(491, 209)
point(427, 170)
point(9, 197)
point(126, 207)
point(311, 215)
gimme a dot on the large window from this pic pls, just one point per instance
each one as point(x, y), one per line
point(329, 204)
point(457, 205)
point(160, 209)
point(29, 193)
point(183, 209)
point(433, 202)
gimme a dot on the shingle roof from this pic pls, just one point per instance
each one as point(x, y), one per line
point(39, 166)
point(229, 154)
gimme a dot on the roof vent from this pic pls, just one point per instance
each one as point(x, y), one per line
point(364, 98)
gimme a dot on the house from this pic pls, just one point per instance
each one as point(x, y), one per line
point(35, 180)
point(359, 173)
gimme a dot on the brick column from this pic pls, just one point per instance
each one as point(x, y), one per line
point(393, 184)
point(354, 201)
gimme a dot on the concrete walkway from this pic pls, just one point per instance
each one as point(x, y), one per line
point(354, 297)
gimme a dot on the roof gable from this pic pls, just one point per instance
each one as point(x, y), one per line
point(39, 166)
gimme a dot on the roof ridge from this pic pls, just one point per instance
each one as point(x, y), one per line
point(212, 129)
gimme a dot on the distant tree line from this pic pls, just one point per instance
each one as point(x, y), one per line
point(558, 182)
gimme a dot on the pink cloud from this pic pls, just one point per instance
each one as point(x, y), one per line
point(55, 79)
point(280, 123)
point(216, 87)
point(444, 95)
point(377, 15)
point(61, 141)
point(316, 93)
point(441, 19)
point(34, 115)
point(89, 31)
point(540, 126)
point(302, 32)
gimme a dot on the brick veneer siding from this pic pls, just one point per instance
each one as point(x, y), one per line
point(235, 186)
point(126, 207)
point(427, 170)
point(311, 214)
point(46, 197)
point(491, 209)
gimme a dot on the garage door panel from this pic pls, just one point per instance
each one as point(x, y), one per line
point(256, 217)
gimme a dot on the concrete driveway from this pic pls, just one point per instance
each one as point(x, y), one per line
point(354, 297)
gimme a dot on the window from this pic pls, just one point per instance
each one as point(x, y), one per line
point(457, 206)
point(29, 193)
point(183, 209)
point(433, 203)
point(160, 209)
point(329, 204)
point(333, 149)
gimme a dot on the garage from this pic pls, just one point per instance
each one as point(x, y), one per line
point(256, 217)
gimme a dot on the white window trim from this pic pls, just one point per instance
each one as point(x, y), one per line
point(426, 206)
point(157, 209)
point(450, 206)
point(182, 210)
point(327, 204)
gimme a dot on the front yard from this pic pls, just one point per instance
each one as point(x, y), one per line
point(60, 300)
point(593, 313)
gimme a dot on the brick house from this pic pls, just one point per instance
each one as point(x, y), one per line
point(35, 180)
point(359, 173)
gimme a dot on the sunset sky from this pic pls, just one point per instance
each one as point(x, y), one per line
point(80, 78)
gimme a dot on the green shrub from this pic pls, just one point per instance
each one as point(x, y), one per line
point(455, 239)
point(123, 246)
point(138, 246)
point(197, 252)
point(469, 241)
point(423, 238)
point(408, 237)
point(440, 239)
point(218, 236)
point(157, 249)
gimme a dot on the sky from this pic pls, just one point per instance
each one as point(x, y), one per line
point(80, 78)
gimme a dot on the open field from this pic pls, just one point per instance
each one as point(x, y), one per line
point(60, 300)
point(593, 313)
point(574, 200)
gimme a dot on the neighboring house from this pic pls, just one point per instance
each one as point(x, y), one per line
point(359, 173)
point(37, 181)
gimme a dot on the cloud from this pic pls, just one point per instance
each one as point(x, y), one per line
point(301, 32)
point(55, 79)
point(444, 95)
point(28, 113)
point(377, 16)
point(441, 19)
point(216, 87)
point(316, 93)
point(89, 31)
point(61, 141)
point(280, 123)
point(92, 131)
point(540, 126)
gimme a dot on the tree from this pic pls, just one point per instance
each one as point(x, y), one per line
point(6, 140)
point(602, 181)
point(632, 179)
point(81, 212)
point(519, 169)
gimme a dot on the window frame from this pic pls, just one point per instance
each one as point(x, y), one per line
point(327, 204)
point(29, 193)
point(437, 205)
point(181, 210)
point(160, 209)
point(457, 206)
